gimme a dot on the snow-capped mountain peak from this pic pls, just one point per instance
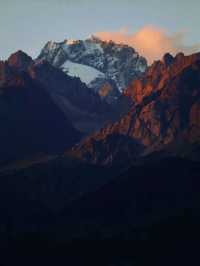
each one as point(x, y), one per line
point(106, 62)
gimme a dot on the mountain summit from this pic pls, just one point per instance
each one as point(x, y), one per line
point(105, 66)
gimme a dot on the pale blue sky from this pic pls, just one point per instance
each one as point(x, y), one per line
point(29, 24)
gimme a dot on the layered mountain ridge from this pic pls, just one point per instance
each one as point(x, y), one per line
point(60, 199)
point(165, 104)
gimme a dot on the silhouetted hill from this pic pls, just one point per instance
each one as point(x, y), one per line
point(31, 123)
point(146, 215)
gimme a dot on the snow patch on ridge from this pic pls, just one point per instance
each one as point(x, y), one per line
point(86, 73)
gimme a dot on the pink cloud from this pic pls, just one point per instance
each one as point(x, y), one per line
point(151, 42)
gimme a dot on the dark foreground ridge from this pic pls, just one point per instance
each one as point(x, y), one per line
point(150, 213)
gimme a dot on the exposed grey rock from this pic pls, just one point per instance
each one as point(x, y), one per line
point(117, 63)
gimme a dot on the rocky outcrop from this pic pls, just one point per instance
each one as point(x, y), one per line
point(165, 108)
point(20, 61)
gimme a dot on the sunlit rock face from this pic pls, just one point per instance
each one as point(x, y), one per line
point(165, 109)
point(158, 75)
point(97, 63)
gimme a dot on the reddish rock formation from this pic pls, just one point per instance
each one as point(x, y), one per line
point(166, 107)
point(20, 61)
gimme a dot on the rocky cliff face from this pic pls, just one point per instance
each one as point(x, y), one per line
point(165, 110)
point(99, 64)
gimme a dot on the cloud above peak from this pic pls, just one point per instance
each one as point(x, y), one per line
point(151, 42)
